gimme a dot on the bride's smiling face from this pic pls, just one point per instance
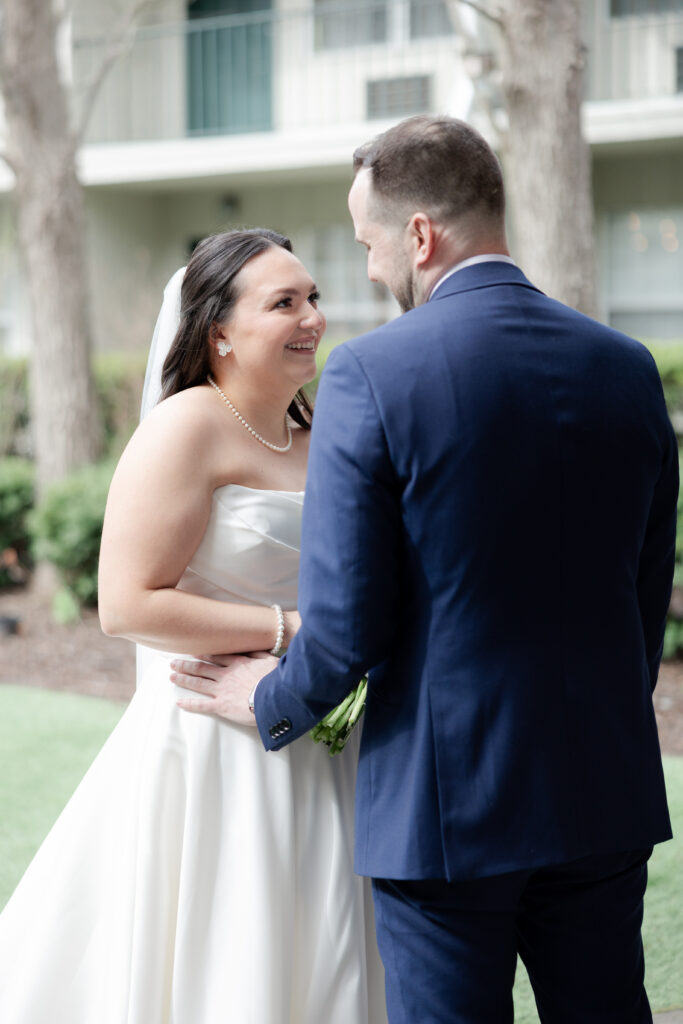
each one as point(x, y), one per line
point(275, 325)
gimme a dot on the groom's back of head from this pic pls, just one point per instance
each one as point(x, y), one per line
point(438, 165)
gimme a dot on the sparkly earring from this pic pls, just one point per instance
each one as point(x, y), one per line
point(223, 349)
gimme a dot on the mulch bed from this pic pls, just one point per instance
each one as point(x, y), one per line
point(78, 658)
point(81, 659)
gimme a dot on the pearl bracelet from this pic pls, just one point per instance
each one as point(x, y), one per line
point(280, 629)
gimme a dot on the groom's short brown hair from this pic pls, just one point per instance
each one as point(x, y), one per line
point(440, 165)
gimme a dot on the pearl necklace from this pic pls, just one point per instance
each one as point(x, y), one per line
point(273, 447)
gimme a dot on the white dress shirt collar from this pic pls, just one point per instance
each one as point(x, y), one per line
point(488, 257)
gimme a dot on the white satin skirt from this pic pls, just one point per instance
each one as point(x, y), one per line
point(195, 879)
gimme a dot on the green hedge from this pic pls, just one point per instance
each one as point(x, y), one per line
point(669, 358)
point(66, 528)
point(67, 525)
point(16, 501)
point(14, 415)
point(119, 377)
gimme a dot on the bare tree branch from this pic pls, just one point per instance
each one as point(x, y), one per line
point(497, 19)
point(119, 43)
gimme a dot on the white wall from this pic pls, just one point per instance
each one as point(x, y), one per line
point(127, 239)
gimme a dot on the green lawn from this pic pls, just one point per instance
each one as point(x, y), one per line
point(47, 740)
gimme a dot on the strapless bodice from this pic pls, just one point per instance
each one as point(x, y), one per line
point(250, 550)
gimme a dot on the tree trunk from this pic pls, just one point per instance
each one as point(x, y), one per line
point(48, 197)
point(547, 161)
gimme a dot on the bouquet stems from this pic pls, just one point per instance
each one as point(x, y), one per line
point(335, 728)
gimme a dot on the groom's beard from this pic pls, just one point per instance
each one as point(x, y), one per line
point(404, 296)
point(403, 288)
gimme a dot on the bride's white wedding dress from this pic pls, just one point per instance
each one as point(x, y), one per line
point(193, 878)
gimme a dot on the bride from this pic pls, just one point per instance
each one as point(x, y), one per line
point(193, 878)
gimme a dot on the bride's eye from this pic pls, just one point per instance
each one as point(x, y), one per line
point(283, 303)
point(314, 298)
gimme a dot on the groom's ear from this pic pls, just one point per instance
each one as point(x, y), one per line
point(422, 237)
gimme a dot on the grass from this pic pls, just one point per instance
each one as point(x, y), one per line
point(48, 740)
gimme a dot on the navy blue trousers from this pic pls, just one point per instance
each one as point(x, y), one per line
point(450, 948)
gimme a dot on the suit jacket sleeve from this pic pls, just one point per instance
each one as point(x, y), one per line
point(655, 570)
point(349, 574)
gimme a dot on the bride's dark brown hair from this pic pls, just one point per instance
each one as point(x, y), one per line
point(207, 296)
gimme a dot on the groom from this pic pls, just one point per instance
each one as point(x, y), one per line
point(489, 529)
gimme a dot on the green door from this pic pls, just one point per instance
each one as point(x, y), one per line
point(229, 67)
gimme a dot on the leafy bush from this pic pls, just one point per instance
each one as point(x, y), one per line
point(67, 525)
point(16, 500)
point(669, 358)
point(14, 415)
point(119, 377)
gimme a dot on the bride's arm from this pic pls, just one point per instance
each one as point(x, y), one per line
point(157, 511)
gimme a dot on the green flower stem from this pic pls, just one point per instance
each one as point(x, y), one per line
point(336, 713)
point(359, 703)
point(335, 728)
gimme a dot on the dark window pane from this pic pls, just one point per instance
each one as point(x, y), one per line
point(429, 18)
point(338, 25)
point(628, 8)
point(229, 67)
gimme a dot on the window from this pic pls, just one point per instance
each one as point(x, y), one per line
point(398, 97)
point(229, 67)
point(625, 8)
point(679, 69)
point(644, 260)
point(338, 25)
point(429, 18)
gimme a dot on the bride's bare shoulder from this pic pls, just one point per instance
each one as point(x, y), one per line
point(191, 409)
point(180, 430)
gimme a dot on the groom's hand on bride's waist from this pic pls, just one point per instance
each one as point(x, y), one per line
point(224, 684)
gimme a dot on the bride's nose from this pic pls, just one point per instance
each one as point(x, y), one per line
point(312, 318)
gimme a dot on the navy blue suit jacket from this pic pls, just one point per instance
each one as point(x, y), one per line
point(489, 529)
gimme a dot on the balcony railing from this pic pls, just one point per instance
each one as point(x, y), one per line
point(636, 55)
point(340, 62)
point(277, 70)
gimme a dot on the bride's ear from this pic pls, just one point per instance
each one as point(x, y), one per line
point(218, 339)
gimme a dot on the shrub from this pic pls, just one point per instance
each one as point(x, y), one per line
point(67, 526)
point(14, 415)
point(16, 500)
point(669, 358)
point(119, 377)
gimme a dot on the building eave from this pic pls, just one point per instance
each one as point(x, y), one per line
point(630, 124)
point(257, 157)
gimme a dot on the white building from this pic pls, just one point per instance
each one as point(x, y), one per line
point(246, 112)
